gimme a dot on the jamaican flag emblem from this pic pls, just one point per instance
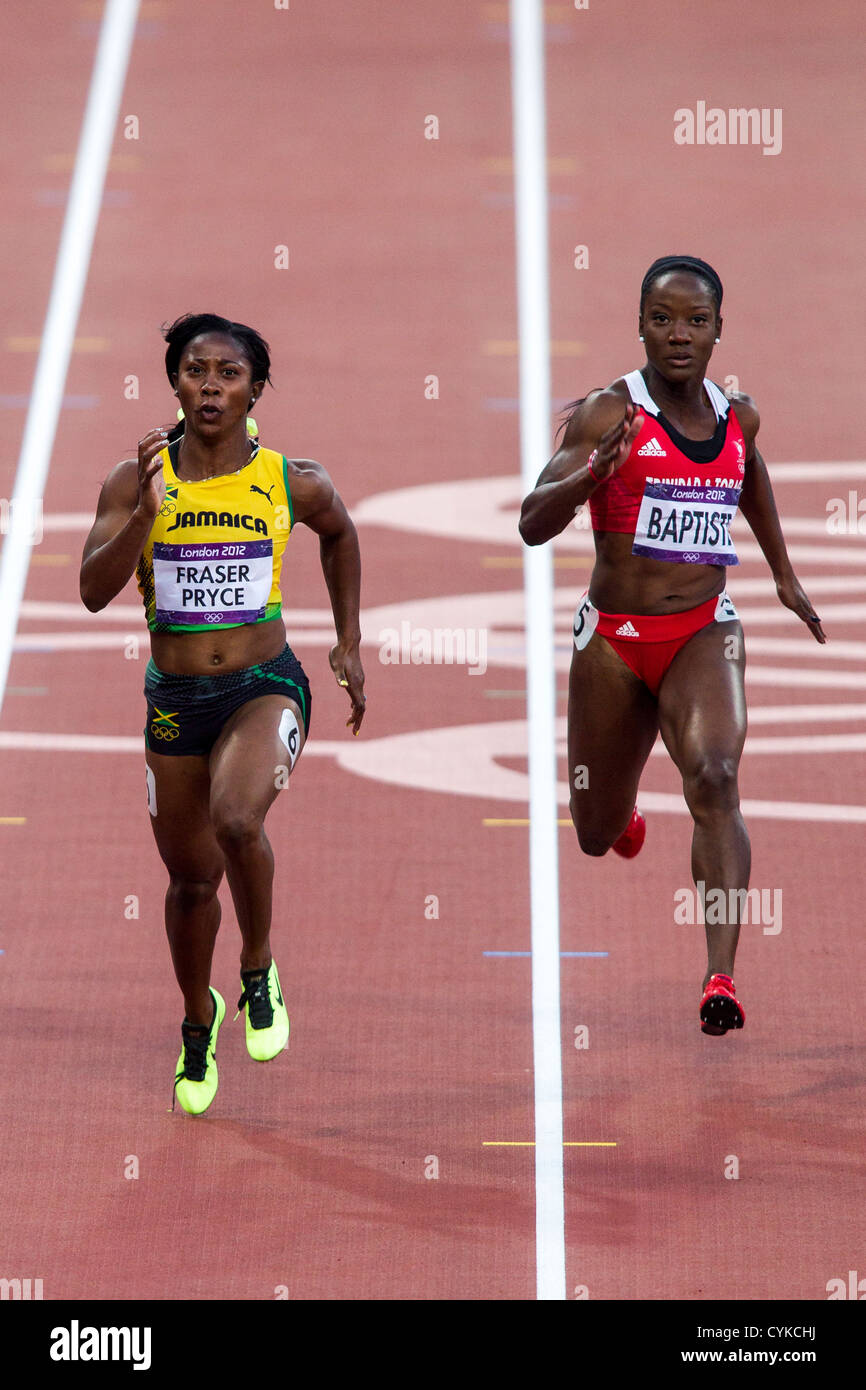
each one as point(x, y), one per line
point(164, 725)
point(170, 503)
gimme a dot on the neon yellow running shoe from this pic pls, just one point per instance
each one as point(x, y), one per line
point(195, 1084)
point(267, 1022)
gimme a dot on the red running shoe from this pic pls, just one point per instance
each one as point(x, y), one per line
point(632, 838)
point(720, 1007)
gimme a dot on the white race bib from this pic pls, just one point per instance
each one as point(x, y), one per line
point(687, 525)
point(212, 582)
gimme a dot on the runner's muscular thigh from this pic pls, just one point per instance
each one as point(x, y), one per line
point(178, 800)
point(702, 700)
point(612, 726)
point(254, 755)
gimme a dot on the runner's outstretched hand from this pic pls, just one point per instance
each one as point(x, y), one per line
point(613, 448)
point(151, 484)
point(346, 666)
point(792, 595)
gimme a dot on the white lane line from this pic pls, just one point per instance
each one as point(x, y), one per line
point(530, 203)
point(816, 680)
point(498, 609)
point(70, 277)
point(806, 648)
point(776, 613)
point(817, 472)
point(804, 811)
point(819, 526)
point(777, 744)
point(819, 583)
point(502, 653)
point(420, 761)
point(118, 743)
point(803, 714)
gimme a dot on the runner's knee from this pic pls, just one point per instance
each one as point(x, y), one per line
point(235, 827)
point(711, 784)
point(187, 894)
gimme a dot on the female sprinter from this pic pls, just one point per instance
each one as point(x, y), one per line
point(665, 459)
point(202, 517)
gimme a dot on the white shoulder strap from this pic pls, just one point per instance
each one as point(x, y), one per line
point(638, 392)
point(641, 396)
point(718, 399)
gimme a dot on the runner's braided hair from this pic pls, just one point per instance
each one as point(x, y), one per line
point(657, 269)
point(189, 326)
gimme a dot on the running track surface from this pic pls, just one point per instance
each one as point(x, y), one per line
point(312, 1176)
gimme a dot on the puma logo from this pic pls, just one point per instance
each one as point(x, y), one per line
point(255, 488)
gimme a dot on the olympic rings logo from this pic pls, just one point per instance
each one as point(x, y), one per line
point(159, 731)
point(167, 508)
point(212, 617)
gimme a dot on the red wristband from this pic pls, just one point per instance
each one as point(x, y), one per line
point(593, 455)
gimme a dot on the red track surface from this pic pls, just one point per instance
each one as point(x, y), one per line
point(306, 128)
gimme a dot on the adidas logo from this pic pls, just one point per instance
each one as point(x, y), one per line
point(653, 448)
point(627, 630)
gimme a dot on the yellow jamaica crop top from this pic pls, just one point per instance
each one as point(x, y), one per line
point(215, 550)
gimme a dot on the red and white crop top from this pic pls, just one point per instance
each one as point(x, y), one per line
point(676, 496)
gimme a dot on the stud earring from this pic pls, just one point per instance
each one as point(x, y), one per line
point(717, 340)
point(641, 338)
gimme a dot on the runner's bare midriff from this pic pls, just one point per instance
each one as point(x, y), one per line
point(208, 653)
point(626, 583)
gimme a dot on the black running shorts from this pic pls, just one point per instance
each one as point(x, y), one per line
point(185, 714)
